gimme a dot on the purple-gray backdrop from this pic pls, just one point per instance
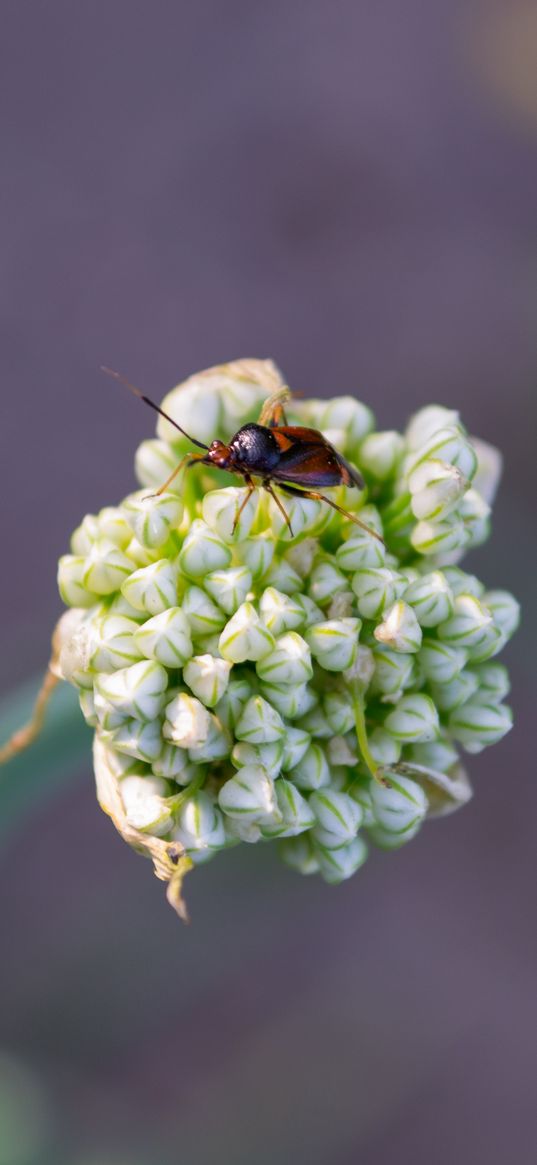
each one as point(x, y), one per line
point(351, 189)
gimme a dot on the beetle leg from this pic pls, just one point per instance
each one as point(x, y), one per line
point(317, 497)
point(269, 489)
point(187, 460)
point(250, 489)
point(273, 413)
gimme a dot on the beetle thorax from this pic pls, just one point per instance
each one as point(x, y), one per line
point(255, 448)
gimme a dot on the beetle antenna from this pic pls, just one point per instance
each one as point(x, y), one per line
point(138, 392)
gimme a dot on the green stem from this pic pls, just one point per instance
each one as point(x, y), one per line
point(361, 733)
point(179, 799)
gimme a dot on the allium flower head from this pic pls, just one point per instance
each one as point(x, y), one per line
point(309, 690)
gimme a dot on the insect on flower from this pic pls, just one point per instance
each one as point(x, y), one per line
point(299, 461)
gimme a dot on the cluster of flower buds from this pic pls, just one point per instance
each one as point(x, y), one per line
point(314, 689)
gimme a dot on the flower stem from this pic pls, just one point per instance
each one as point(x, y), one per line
point(361, 733)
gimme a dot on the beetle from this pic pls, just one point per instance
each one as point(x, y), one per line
point(298, 460)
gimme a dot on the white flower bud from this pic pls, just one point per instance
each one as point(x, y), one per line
point(338, 709)
point(476, 725)
point(215, 747)
point(340, 754)
point(360, 791)
point(143, 741)
point(431, 597)
point(138, 691)
point(298, 853)
point(393, 672)
point(204, 617)
point(312, 771)
point(257, 553)
point(301, 556)
point(336, 814)
point(435, 754)
point(152, 588)
point(436, 488)
point(290, 700)
point(505, 611)
point(361, 550)
point(154, 462)
point(427, 421)
point(414, 718)
point(489, 469)
point(74, 639)
point(336, 865)
point(334, 643)
point(289, 662)
point(203, 551)
point(493, 682)
point(376, 588)
point(471, 626)
point(383, 747)
point(398, 805)
point(145, 806)
point(312, 613)
point(441, 662)
point(282, 576)
point(475, 514)
point(399, 629)
point(250, 796)
point(325, 581)
point(220, 508)
point(362, 669)
point(113, 643)
point(462, 583)
point(86, 700)
point(380, 454)
point(207, 677)
point(295, 745)
point(440, 538)
point(230, 706)
point(341, 606)
point(304, 514)
point(200, 825)
point(229, 587)
point(153, 518)
point(457, 691)
point(140, 555)
point(245, 636)
point(314, 721)
point(85, 535)
point(237, 830)
point(166, 638)
point(280, 612)
point(71, 572)
point(173, 763)
point(259, 723)
point(448, 444)
point(187, 721)
point(389, 839)
point(120, 606)
point(105, 568)
point(269, 756)
point(196, 406)
point(348, 414)
point(296, 815)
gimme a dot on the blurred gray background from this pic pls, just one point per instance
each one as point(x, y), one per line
point(350, 188)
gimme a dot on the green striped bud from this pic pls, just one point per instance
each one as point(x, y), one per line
point(336, 865)
point(440, 537)
point(376, 589)
point(475, 513)
point(436, 488)
point(230, 706)
point(350, 415)
point(325, 581)
point(388, 839)
point(428, 421)
point(476, 725)
point(142, 741)
point(289, 662)
point(138, 691)
point(283, 576)
point(145, 805)
point(196, 405)
point(303, 514)
point(312, 613)
point(207, 677)
point(152, 519)
point(259, 723)
point(451, 694)
point(394, 672)
point(334, 642)
point(290, 700)
point(338, 710)
point(312, 771)
point(187, 721)
point(295, 745)
point(105, 569)
point(435, 754)
point(383, 747)
point(441, 662)
point(470, 626)
point(295, 814)
point(229, 587)
point(431, 598)
point(154, 462)
point(301, 556)
point(269, 756)
point(86, 700)
point(450, 445)
point(280, 612)
point(299, 855)
point(250, 796)
point(361, 550)
point(215, 747)
point(505, 611)
point(245, 636)
point(113, 643)
point(203, 551)
point(200, 824)
point(220, 509)
point(413, 719)
point(257, 553)
point(337, 815)
point(173, 763)
point(152, 588)
point(380, 454)
point(166, 638)
point(493, 682)
point(398, 805)
point(71, 572)
point(204, 617)
point(462, 583)
point(399, 629)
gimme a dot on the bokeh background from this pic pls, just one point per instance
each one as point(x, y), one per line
point(350, 188)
